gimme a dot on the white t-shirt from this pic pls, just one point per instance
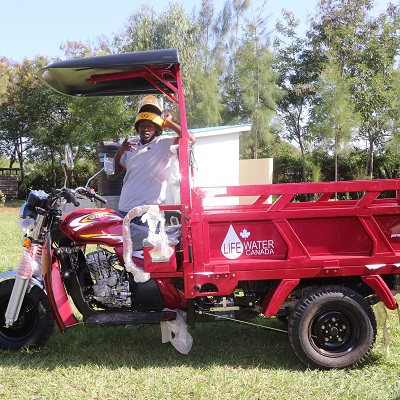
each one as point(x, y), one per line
point(147, 170)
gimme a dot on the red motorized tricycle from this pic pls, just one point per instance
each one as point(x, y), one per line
point(320, 263)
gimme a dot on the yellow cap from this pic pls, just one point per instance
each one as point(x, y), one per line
point(149, 117)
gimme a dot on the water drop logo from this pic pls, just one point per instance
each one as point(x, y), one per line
point(232, 247)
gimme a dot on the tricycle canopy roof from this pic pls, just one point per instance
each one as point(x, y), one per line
point(138, 73)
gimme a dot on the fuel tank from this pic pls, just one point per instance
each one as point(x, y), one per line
point(93, 226)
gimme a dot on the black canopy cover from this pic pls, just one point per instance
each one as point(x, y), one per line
point(138, 73)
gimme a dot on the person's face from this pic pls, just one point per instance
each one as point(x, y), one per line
point(147, 130)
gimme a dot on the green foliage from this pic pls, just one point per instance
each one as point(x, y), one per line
point(207, 108)
point(254, 86)
point(332, 117)
point(45, 177)
point(297, 68)
point(4, 163)
point(2, 199)
point(366, 50)
point(95, 119)
point(149, 29)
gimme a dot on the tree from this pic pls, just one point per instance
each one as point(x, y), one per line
point(227, 32)
point(365, 49)
point(373, 81)
point(332, 118)
point(148, 30)
point(204, 104)
point(258, 91)
point(298, 67)
point(4, 78)
point(18, 112)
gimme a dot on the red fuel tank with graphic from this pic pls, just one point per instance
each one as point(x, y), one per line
point(93, 225)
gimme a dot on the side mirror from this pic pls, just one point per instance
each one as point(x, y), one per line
point(69, 159)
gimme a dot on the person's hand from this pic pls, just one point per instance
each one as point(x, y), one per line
point(126, 145)
point(167, 120)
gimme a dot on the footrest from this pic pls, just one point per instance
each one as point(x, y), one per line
point(130, 317)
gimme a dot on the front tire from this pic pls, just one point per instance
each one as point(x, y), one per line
point(332, 327)
point(35, 322)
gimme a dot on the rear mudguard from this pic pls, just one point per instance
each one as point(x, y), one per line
point(378, 285)
point(276, 296)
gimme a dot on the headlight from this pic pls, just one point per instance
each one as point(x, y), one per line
point(21, 210)
point(27, 211)
point(37, 198)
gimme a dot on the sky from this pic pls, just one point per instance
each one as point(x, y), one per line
point(29, 28)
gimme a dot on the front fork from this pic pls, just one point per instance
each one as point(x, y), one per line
point(29, 264)
point(16, 299)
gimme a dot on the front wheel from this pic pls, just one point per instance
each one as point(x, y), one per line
point(332, 327)
point(35, 322)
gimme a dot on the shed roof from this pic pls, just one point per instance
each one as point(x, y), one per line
point(220, 130)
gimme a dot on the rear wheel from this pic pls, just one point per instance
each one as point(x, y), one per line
point(35, 322)
point(332, 327)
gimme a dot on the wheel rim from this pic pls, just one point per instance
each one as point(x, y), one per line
point(23, 326)
point(334, 332)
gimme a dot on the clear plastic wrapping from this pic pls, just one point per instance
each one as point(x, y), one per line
point(138, 274)
point(31, 262)
point(157, 238)
point(176, 332)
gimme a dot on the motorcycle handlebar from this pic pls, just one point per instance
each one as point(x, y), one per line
point(91, 195)
point(71, 197)
point(99, 198)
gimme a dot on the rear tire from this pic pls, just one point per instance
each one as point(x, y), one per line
point(35, 322)
point(332, 327)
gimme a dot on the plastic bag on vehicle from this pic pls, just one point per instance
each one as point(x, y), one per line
point(176, 332)
point(139, 275)
point(31, 262)
point(134, 236)
point(157, 237)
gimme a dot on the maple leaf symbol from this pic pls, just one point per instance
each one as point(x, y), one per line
point(245, 234)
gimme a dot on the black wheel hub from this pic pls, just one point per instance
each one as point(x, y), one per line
point(23, 326)
point(334, 331)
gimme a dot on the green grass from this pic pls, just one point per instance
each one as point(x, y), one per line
point(227, 361)
point(10, 238)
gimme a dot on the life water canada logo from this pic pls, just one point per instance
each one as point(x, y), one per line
point(233, 247)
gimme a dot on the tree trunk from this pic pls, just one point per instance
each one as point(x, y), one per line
point(369, 171)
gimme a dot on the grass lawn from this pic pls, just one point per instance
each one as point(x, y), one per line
point(227, 361)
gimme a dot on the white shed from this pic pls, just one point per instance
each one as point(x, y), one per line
point(217, 157)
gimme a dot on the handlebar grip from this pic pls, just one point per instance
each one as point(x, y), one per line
point(70, 196)
point(99, 198)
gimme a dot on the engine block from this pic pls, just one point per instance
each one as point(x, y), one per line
point(110, 287)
